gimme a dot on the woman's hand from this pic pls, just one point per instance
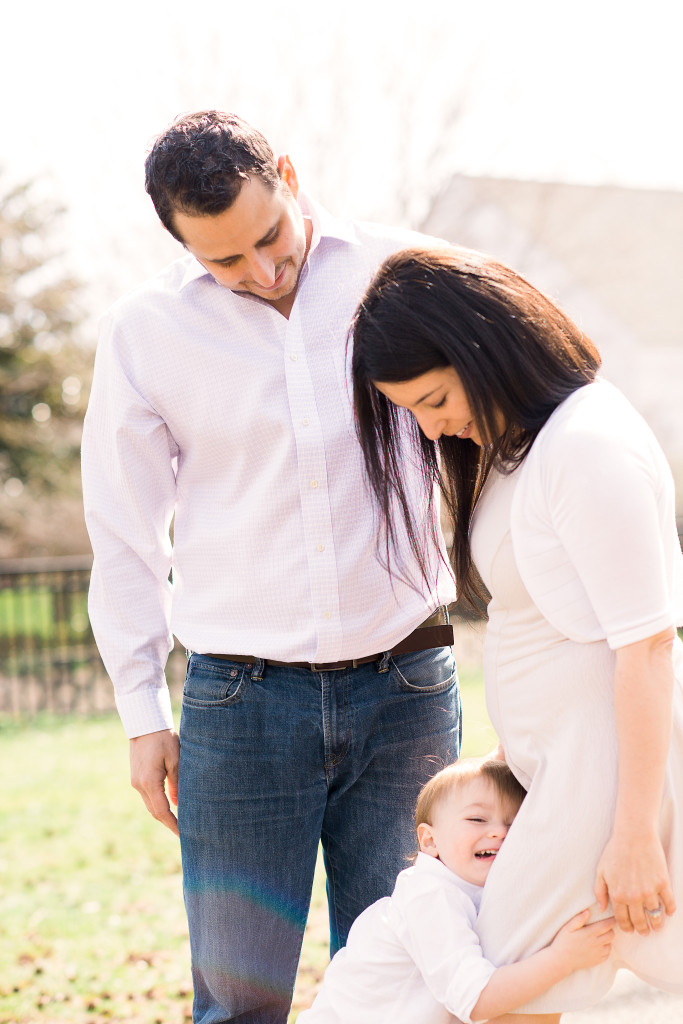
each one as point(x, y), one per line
point(632, 873)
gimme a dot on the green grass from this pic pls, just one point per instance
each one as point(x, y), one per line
point(478, 736)
point(92, 927)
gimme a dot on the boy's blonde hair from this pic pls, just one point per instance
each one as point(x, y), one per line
point(459, 774)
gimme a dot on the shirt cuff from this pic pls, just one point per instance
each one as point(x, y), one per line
point(145, 710)
point(471, 979)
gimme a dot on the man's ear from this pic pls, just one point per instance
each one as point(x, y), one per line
point(425, 837)
point(287, 174)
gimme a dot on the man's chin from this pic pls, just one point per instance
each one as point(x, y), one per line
point(278, 293)
point(288, 286)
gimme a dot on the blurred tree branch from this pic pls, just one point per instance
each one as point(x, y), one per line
point(44, 373)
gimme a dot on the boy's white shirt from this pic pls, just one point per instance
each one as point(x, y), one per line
point(413, 956)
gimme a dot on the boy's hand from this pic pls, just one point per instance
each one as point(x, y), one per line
point(584, 945)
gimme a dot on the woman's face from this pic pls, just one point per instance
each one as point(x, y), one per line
point(438, 402)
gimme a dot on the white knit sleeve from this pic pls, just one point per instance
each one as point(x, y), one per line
point(594, 526)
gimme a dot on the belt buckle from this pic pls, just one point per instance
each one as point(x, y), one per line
point(321, 668)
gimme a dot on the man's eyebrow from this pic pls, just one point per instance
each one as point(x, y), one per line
point(266, 240)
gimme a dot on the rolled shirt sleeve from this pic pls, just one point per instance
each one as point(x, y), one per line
point(440, 938)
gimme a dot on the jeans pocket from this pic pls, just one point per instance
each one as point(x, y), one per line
point(210, 685)
point(428, 672)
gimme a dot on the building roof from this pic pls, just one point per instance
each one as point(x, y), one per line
point(612, 257)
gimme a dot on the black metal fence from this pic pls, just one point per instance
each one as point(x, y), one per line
point(48, 657)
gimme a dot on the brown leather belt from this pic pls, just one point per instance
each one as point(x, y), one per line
point(434, 632)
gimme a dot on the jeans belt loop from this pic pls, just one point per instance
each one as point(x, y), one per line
point(257, 670)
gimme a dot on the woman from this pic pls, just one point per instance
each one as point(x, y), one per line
point(562, 499)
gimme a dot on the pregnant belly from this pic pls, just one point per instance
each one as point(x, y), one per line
point(546, 701)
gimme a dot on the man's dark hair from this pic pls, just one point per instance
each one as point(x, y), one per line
point(200, 163)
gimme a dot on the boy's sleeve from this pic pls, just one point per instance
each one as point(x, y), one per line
point(440, 937)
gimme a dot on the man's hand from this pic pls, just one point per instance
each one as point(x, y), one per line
point(153, 760)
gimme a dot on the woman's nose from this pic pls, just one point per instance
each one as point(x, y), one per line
point(431, 426)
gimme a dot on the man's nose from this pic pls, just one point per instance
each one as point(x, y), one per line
point(262, 269)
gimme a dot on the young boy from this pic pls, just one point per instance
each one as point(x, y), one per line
point(414, 956)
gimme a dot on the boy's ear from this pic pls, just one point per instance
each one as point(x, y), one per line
point(425, 837)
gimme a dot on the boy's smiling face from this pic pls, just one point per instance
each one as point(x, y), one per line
point(468, 828)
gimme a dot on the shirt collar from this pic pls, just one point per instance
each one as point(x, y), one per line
point(430, 865)
point(193, 271)
point(325, 226)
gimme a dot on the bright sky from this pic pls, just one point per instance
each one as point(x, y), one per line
point(374, 101)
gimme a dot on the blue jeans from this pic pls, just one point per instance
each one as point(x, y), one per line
point(273, 761)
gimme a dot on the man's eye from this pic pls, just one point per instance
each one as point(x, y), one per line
point(269, 239)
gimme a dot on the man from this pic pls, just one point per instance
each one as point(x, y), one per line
point(314, 705)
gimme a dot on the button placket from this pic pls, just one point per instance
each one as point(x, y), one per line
point(313, 487)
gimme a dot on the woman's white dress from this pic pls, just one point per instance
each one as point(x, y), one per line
point(579, 550)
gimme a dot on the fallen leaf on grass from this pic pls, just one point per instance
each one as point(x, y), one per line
point(138, 958)
point(154, 993)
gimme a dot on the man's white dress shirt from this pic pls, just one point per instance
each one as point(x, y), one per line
point(411, 958)
point(212, 410)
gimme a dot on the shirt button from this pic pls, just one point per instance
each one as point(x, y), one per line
point(305, 421)
point(321, 547)
point(292, 356)
point(327, 615)
point(314, 484)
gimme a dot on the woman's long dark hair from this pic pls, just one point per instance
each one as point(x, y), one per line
point(516, 354)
